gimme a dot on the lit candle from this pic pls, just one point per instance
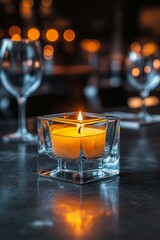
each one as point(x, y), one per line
point(68, 141)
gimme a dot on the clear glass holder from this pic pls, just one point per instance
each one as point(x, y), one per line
point(79, 151)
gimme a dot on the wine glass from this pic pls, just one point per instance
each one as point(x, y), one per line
point(21, 74)
point(143, 73)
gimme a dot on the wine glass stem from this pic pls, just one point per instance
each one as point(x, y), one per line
point(143, 112)
point(22, 115)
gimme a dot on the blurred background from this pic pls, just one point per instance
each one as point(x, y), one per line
point(84, 47)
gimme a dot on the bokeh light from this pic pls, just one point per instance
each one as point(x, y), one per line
point(135, 72)
point(52, 35)
point(16, 37)
point(135, 46)
point(69, 35)
point(48, 52)
point(33, 34)
point(46, 3)
point(156, 64)
point(149, 48)
point(90, 45)
point(14, 30)
point(147, 69)
point(137, 102)
point(26, 8)
point(27, 3)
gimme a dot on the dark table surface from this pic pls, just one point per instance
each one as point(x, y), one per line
point(125, 207)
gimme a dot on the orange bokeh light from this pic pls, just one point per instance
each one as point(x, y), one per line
point(33, 34)
point(156, 63)
point(52, 35)
point(26, 8)
point(137, 102)
point(16, 37)
point(46, 3)
point(69, 35)
point(37, 64)
point(27, 3)
point(90, 45)
point(135, 72)
point(14, 30)
point(149, 48)
point(48, 52)
point(147, 69)
point(135, 46)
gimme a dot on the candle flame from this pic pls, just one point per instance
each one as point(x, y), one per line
point(80, 118)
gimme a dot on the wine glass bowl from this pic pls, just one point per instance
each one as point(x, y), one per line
point(21, 74)
point(143, 74)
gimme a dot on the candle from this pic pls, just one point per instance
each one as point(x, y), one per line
point(68, 141)
point(78, 148)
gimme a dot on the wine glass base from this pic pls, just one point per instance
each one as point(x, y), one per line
point(144, 117)
point(18, 137)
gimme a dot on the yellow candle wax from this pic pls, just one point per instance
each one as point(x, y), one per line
point(93, 142)
point(68, 142)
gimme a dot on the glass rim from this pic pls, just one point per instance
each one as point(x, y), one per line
point(97, 117)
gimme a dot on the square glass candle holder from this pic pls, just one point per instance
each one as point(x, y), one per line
point(78, 147)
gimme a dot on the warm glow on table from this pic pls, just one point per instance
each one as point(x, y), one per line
point(79, 219)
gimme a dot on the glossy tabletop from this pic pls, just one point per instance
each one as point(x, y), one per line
point(126, 207)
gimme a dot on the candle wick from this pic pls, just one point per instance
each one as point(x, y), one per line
point(79, 129)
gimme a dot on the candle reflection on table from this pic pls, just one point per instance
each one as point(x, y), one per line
point(78, 217)
point(75, 212)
